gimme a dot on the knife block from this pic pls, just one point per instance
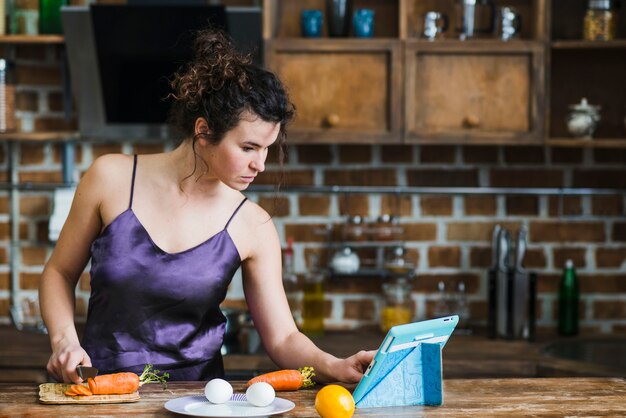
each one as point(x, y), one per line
point(409, 377)
point(510, 303)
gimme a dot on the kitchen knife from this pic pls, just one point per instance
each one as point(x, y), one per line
point(521, 287)
point(504, 291)
point(85, 372)
point(492, 276)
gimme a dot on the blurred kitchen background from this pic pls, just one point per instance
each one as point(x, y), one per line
point(446, 145)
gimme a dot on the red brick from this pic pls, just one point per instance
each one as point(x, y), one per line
point(2, 153)
point(567, 155)
point(275, 206)
point(34, 256)
point(98, 150)
point(480, 154)
point(443, 178)
point(524, 155)
point(561, 231)
point(476, 231)
point(436, 205)
point(4, 204)
point(29, 280)
point(609, 156)
point(355, 204)
point(535, 258)
point(35, 75)
point(32, 154)
point(577, 255)
point(609, 283)
point(610, 257)
point(55, 124)
point(396, 153)
point(57, 152)
point(522, 205)
point(4, 256)
point(605, 309)
point(4, 307)
point(611, 179)
point(397, 205)
point(31, 52)
point(427, 283)
point(548, 283)
point(145, 148)
point(288, 178)
point(5, 281)
point(359, 309)
point(85, 282)
point(35, 205)
point(419, 231)
point(619, 231)
point(430, 154)
point(350, 154)
point(27, 101)
point(315, 154)
point(565, 206)
point(5, 230)
point(306, 233)
point(314, 205)
point(42, 231)
point(55, 101)
point(352, 285)
point(444, 257)
point(480, 205)
point(481, 257)
point(526, 178)
point(607, 205)
point(40, 177)
point(372, 177)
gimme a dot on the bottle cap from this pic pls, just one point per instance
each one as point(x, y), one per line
point(569, 264)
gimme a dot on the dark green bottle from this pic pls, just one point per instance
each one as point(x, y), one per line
point(568, 301)
point(50, 16)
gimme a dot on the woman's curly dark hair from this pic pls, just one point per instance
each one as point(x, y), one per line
point(219, 84)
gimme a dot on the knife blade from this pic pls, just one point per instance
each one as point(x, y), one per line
point(85, 372)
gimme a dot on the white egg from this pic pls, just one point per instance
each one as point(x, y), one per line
point(218, 391)
point(260, 394)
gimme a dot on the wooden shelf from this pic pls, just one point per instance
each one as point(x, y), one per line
point(32, 39)
point(39, 136)
point(587, 143)
point(581, 44)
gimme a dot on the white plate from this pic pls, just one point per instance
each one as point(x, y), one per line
point(199, 406)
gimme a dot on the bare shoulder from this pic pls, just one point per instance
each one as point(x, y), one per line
point(255, 230)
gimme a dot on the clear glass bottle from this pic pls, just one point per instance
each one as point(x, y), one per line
point(313, 298)
point(397, 307)
point(569, 298)
point(600, 23)
point(293, 289)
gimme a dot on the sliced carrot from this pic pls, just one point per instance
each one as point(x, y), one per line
point(70, 392)
point(82, 390)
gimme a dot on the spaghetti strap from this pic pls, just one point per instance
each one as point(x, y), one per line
point(235, 212)
point(132, 182)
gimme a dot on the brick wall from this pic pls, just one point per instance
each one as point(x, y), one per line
point(447, 236)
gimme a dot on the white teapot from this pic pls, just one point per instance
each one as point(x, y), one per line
point(583, 119)
point(345, 261)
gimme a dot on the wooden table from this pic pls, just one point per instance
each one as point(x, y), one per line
point(549, 397)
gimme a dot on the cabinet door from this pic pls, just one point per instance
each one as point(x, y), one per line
point(478, 91)
point(344, 91)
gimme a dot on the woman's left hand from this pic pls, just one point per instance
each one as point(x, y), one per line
point(351, 369)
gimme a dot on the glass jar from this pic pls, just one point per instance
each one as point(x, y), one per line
point(397, 307)
point(355, 229)
point(600, 22)
point(386, 228)
point(7, 96)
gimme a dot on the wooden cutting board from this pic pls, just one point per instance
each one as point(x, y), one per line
point(53, 393)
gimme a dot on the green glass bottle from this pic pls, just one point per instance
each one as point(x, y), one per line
point(50, 16)
point(568, 301)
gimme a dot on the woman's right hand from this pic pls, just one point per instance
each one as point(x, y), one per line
point(64, 359)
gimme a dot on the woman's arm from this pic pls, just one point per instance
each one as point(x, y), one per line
point(62, 271)
point(267, 302)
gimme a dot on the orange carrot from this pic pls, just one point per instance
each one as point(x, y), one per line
point(78, 390)
point(112, 384)
point(286, 379)
point(125, 382)
point(70, 392)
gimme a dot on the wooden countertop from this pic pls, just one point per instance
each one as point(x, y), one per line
point(550, 397)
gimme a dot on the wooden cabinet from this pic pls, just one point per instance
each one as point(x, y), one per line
point(399, 87)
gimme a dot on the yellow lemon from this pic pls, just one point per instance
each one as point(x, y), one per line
point(334, 401)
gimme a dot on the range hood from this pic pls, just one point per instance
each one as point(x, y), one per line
point(121, 56)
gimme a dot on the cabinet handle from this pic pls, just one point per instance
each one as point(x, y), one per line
point(471, 121)
point(332, 120)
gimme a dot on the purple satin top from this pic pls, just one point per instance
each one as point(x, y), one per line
point(151, 306)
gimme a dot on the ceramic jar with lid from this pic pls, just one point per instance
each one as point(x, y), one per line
point(345, 261)
point(583, 119)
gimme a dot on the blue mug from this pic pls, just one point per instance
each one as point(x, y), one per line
point(312, 21)
point(363, 22)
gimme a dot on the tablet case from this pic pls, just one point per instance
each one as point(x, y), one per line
point(412, 376)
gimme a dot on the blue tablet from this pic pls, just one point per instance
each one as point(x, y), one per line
point(398, 343)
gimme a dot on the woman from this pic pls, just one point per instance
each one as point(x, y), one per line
point(166, 232)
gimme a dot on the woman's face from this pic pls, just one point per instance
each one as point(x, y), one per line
point(241, 155)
